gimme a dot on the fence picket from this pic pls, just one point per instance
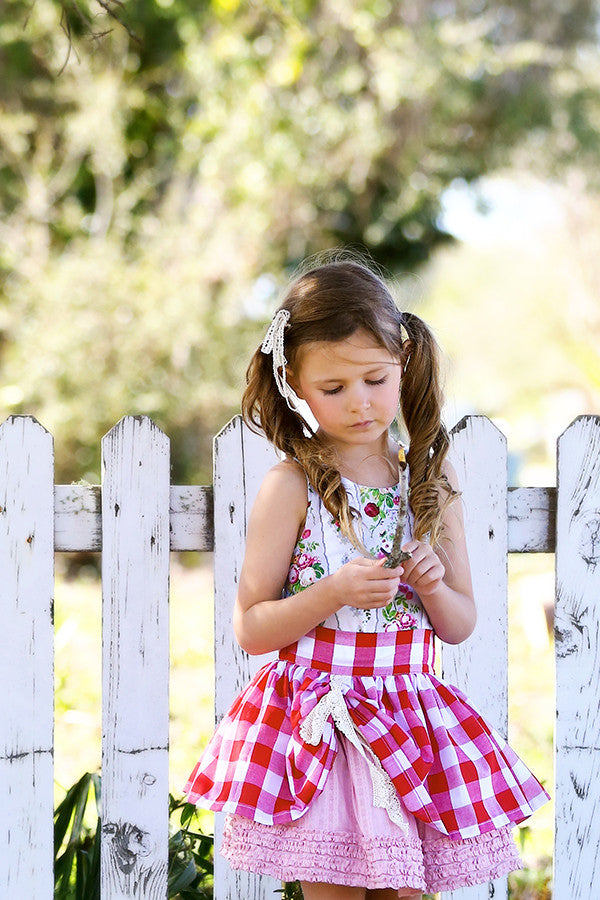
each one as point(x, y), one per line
point(26, 659)
point(135, 721)
point(577, 626)
point(479, 666)
point(241, 460)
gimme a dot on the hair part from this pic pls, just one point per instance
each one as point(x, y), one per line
point(330, 303)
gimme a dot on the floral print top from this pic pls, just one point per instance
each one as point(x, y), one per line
point(322, 549)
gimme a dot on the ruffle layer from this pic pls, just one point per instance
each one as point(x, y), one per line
point(350, 859)
point(341, 858)
point(454, 864)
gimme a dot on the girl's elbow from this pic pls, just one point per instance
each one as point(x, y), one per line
point(240, 630)
point(246, 637)
point(460, 628)
point(469, 624)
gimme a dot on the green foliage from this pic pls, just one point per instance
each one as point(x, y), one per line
point(190, 856)
point(532, 884)
point(77, 848)
point(164, 164)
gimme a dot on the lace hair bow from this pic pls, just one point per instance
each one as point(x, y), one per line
point(274, 344)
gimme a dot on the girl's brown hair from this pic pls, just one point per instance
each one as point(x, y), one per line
point(330, 303)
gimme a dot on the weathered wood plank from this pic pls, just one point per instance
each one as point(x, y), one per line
point(241, 459)
point(479, 666)
point(78, 517)
point(78, 522)
point(577, 644)
point(531, 519)
point(192, 517)
point(26, 659)
point(135, 720)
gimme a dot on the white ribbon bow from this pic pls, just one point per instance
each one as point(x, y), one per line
point(385, 795)
point(274, 343)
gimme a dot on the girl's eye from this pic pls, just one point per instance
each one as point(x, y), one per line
point(333, 391)
point(379, 380)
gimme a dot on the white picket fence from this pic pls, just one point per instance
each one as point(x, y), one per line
point(136, 518)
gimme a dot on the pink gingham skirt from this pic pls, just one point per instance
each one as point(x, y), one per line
point(448, 767)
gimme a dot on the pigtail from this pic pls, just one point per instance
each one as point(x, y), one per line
point(421, 401)
point(264, 409)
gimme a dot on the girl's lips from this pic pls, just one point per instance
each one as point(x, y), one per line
point(362, 424)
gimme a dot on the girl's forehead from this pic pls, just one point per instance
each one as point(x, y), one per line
point(360, 349)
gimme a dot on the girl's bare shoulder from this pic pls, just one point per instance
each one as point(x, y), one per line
point(286, 484)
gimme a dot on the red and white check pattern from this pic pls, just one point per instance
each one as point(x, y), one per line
point(451, 769)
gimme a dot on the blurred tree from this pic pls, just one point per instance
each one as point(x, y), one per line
point(517, 312)
point(154, 166)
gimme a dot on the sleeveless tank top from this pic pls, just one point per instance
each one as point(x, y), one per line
point(322, 548)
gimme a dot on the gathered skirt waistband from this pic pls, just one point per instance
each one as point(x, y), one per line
point(363, 653)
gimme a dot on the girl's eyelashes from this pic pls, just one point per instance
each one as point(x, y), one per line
point(371, 382)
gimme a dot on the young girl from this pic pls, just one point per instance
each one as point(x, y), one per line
point(346, 763)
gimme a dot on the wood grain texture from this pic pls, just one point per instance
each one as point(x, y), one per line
point(191, 514)
point(577, 646)
point(241, 460)
point(479, 666)
point(135, 719)
point(26, 659)
point(531, 519)
point(78, 517)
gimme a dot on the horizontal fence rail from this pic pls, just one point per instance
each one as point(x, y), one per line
point(78, 518)
point(136, 518)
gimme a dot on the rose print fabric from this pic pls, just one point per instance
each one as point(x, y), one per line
point(322, 549)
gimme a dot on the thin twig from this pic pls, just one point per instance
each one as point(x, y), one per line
point(107, 7)
point(397, 554)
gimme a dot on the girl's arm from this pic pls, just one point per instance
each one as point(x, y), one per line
point(442, 578)
point(262, 619)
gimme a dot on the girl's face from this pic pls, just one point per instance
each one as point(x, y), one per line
point(351, 386)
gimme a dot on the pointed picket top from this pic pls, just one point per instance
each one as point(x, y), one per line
point(135, 720)
point(26, 658)
point(577, 626)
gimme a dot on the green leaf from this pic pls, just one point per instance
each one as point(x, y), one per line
point(182, 879)
point(187, 814)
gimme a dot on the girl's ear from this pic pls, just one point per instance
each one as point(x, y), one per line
point(293, 382)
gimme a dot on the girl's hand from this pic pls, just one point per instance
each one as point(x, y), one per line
point(424, 571)
point(365, 584)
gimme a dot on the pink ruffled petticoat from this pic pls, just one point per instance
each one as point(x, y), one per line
point(344, 839)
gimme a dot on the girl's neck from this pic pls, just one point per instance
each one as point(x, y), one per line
point(372, 467)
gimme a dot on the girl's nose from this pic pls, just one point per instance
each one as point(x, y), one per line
point(359, 399)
